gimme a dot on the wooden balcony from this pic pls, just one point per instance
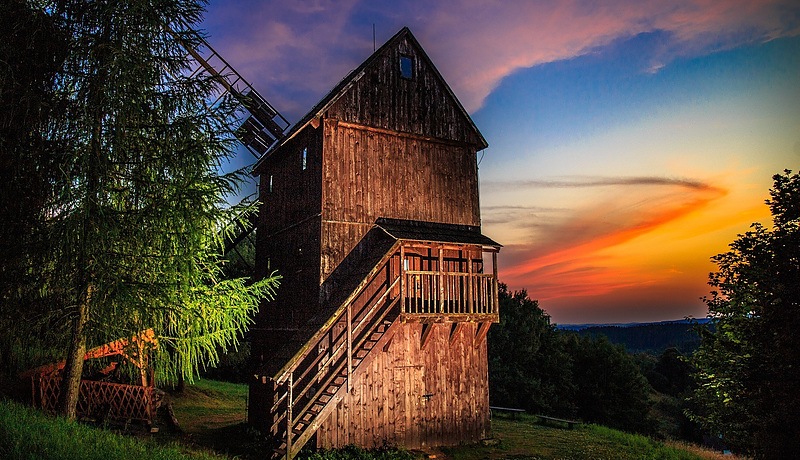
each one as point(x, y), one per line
point(453, 286)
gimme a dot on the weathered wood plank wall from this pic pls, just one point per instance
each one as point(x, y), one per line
point(423, 105)
point(376, 175)
point(287, 240)
point(417, 397)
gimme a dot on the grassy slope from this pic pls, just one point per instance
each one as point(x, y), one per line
point(210, 405)
point(27, 434)
point(212, 415)
point(523, 438)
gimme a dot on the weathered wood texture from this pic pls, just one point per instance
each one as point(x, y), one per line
point(415, 397)
point(287, 240)
point(377, 175)
point(381, 145)
point(422, 104)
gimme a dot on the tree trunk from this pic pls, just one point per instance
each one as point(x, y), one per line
point(71, 377)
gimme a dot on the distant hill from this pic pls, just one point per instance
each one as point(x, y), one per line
point(651, 338)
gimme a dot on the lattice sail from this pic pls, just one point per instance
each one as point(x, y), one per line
point(260, 125)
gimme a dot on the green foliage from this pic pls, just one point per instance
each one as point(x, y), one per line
point(749, 367)
point(672, 373)
point(32, 49)
point(649, 338)
point(133, 220)
point(535, 367)
point(528, 367)
point(27, 434)
point(357, 453)
point(610, 389)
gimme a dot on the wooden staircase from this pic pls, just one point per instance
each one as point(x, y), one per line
point(311, 384)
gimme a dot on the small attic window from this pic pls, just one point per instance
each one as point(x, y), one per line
point(305, 158)
point(407, 67)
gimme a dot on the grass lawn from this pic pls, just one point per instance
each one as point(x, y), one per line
point(210, 405)
point(523, 438)
point(28, 434)
point(212, 416)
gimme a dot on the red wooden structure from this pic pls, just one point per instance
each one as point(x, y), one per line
point(370, 213)
point(100, 399)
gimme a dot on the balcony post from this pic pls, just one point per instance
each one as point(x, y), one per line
point(495, 300)
point(402, 279)
point(470, 299)
point(441, 279)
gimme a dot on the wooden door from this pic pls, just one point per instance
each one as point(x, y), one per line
point(409, 390)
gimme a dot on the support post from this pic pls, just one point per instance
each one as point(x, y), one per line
point(349, 346)
point(495, 300)
point(289, 422)
point(402, 279)
point(441, 279)
point(470, 285)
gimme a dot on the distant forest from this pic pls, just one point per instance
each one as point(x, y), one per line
point(652, 338)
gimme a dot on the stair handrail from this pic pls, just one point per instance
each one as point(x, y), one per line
point(283, 374)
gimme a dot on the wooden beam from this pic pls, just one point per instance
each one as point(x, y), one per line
point(455, 329)
point(480, 335)
point(426, 335)
point(372, 129)
point(427, 318)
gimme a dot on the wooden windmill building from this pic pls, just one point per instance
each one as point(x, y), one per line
point(370, 213)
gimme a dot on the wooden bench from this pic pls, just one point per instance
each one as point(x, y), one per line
point(508, 410)
point(544, 420)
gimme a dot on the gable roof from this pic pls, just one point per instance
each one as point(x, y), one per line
point(354, 76)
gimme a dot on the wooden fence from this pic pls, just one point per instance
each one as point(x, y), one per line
point(99, 400)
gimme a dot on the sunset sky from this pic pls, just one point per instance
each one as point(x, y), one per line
point(629, 141)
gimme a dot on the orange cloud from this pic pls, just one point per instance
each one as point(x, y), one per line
point(577, 255)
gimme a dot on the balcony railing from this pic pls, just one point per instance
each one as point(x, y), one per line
point(453, 294)
point(445, 293)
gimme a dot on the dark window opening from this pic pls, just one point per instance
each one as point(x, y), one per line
point(407, 67)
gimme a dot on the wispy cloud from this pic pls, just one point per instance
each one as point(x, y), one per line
point(570, 253)
point(583, 181)
point(296, 51)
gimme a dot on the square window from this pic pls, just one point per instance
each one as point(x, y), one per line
point(407, 67)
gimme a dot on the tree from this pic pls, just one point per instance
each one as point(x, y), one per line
point(609, 387)
point(136, 217)
point(527, 364)
point(32, 50)
point(749, 368)
point(536, 367)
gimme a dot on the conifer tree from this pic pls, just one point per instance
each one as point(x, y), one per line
point(137, 216)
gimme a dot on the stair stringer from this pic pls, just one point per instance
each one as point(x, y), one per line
point(331, 404)
point(299, 409)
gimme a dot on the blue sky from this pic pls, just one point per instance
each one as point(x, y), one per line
point(629, 141)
